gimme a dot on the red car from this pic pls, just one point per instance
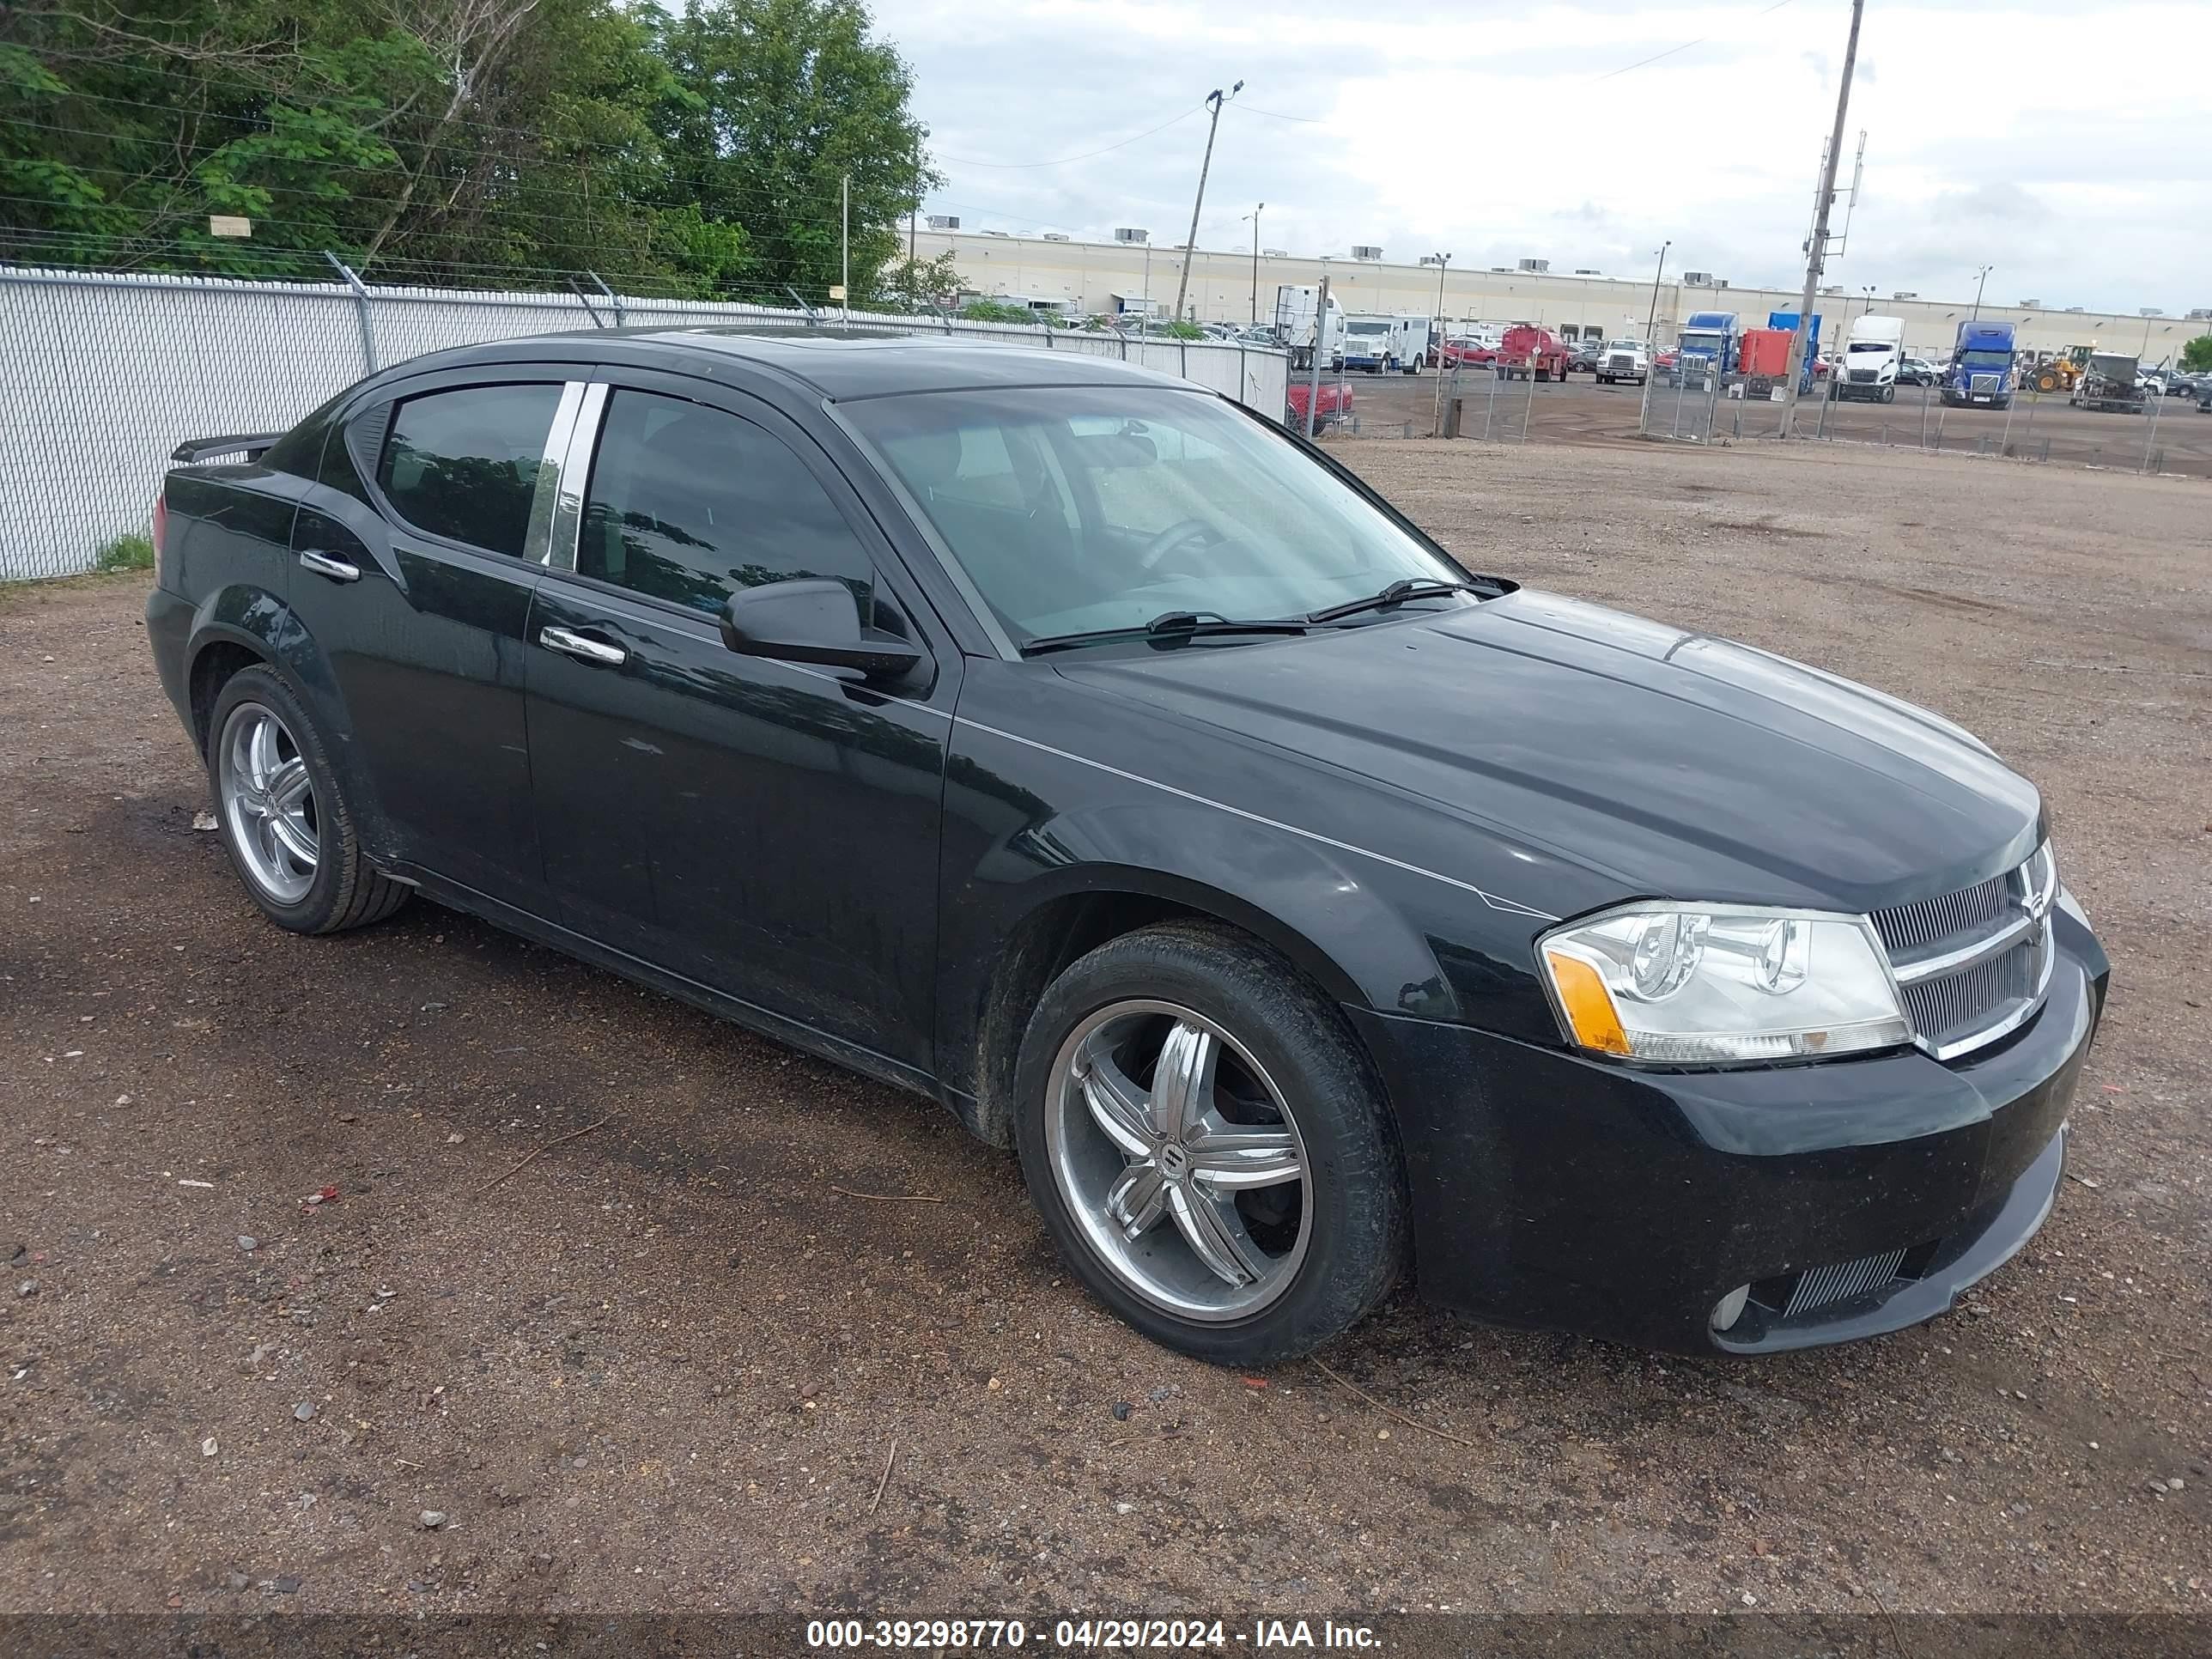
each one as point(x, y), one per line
point(1467, 353)
point(1335, 404)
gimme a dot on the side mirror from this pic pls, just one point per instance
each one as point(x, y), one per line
point(812, 619)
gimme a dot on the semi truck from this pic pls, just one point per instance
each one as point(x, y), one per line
point(1418, 342)
point(1874, 351)
point(1295, 326)
point(1788, 319)
point(1705, 347)
point(1981, 367)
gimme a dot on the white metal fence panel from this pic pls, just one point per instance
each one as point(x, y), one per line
point(102, 374)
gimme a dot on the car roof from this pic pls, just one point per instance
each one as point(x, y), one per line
point(840, 364)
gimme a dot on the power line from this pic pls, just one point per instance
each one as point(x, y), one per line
point(967, 161)
point(1703, 39)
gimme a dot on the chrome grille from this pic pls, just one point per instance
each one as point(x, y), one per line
point(1971, 965)
point(1948, 1009)
point(1983, 383)
point(1864, 376)
point(1840, 1281)
point(1969, 910)
point(1619, 361)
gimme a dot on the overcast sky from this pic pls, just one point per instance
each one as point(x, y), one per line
point(2061, 142)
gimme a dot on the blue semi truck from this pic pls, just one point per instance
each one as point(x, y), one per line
point(1981, 369)
point(1705, 346)
point(1788, 319)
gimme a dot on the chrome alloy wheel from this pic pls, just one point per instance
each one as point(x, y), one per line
point(1179, 1159)
point(268, 802)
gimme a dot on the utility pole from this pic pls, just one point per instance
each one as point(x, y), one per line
point(1651, 341)
point(844, 242)
point(1320, 345)
point(1216, 98)
point(1816, 250)
point(1437, 419)
point(1981, 281)
point(1257, 212)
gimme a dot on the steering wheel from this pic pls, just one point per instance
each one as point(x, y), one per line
point(1182, 530)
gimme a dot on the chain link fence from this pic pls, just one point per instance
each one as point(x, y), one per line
point(107, 372)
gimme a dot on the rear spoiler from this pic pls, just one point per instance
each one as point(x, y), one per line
point(250, 444)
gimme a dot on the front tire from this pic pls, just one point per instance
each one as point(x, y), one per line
point(288, 827)
point(1209, 1147)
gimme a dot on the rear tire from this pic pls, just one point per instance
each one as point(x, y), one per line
point(1300, 1227)
point(285, 822)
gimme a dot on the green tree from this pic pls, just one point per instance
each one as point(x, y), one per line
point(2197, 355)
point(774, 105)
point(467, 140)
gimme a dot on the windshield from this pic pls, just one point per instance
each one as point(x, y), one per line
point(1871, 345)
point(1707, 345)
point(1987, 360)
point(1077, 509)
point(1624, 345)
point(1370, 328)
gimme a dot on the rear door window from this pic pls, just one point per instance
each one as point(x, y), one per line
point(462, 463)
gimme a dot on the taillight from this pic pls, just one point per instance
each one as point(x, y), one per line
point(160, 533)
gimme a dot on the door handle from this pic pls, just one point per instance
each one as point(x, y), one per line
point(324, 565)
point(573, 644)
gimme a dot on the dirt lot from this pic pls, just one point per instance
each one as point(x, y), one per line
point(1580, 411)
point(667, 1364)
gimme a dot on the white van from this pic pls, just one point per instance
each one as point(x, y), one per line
point(1873, 352)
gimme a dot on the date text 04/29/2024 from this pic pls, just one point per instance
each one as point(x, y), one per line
point(1091, 1635)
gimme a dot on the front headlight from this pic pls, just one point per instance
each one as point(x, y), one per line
point(1689, 985)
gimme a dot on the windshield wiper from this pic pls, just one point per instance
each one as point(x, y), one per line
point(1409, 587)
point(1170, 625)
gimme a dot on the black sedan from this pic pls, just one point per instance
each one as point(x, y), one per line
point(1072, 746)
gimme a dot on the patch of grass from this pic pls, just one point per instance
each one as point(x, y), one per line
point(126, 553)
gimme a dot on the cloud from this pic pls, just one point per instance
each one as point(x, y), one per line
point(1426, 126)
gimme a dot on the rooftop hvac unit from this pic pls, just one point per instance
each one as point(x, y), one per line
point(1535, 267)
point(1836, 288)
point(945, 222)
point(1697, 279)
point(1365, 251)
point(1905, 294)
point(1055, 236)
point(2201, 314)
point(998, 233)
point(2150, 311)
point(1127, 236)
point(2070, 310)
point(2031, 305)
point(1275, 253)
point(1588, 270)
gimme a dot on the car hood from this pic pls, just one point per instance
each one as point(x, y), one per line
point(1657, 762)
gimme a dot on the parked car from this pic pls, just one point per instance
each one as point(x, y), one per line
point(1461, 352)
point(1065, 742)
point(1584, 356)
point(1334, 404)
point(2204, 395)
point(2181, 384)
point(1918, 370)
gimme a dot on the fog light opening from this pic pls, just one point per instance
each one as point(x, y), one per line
point(1729, 1308)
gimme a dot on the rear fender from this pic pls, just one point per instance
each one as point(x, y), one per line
point(261, 623)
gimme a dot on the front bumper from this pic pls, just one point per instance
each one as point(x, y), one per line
point(1554, 1190)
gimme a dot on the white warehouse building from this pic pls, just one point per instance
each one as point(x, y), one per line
point(1101, 277)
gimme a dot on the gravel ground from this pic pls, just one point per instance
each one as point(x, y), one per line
point(668, 1363)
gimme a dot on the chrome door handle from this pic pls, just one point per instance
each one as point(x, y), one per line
point(324, 565)
point(573, 644)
